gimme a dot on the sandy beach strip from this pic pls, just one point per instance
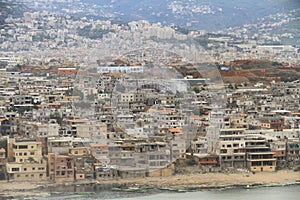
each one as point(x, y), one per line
point(218, 179)
point(179, 181)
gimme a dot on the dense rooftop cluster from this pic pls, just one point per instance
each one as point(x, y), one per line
point(85, 99)
point(66, 124)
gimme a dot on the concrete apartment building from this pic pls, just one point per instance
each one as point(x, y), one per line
point(231, 148)
point(61, 168)
point(83, 162)
point(91, 129)
point(25, 160)
point(259, 155)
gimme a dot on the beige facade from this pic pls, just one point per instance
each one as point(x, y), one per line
point(78, 151)
point(61, 168)
point(59, 145)
point(162, 172)
point(95, 130)
point(82, 162)
point(261, 161)
point(3, 162)
point(238, 122)
point(24, 150)
point(132, 97)
point(25, 160)
point(27, 171)
point(259, 155)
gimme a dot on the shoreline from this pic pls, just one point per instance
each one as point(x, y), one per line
point(176, 183)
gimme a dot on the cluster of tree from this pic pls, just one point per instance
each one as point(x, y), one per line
point(75, 92)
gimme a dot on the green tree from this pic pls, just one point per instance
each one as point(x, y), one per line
point(57, 116)
point(3, 143)
point(22, 109)
point(74, 92)
point(90, 97)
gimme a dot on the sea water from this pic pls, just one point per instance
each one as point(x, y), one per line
point(291, 192)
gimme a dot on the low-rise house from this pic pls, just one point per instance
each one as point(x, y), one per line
point(92, 129)
point(132, 97)
point(3, 161)
point(105, 172)
point(50, 129)
point(199, 146)
point(132, 172)
point(272, 123)
point(238, 122)
point(41, 115)
point(125, 120)
point(137, 132)
point(177, 148)
point(206, 162)
point(73, 123)
point(23, 100)
point(293, 152)
point(9, 126)
point(4, 126)
point(279, 149)
point(59, 145)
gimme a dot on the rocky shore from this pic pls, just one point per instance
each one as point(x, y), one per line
point(179, 183)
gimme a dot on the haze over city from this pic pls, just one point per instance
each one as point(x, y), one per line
point(136, 99)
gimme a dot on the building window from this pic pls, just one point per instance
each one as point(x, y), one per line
point(15, 169)
point(23, 146)
point(33, 168)
point(25, 169)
